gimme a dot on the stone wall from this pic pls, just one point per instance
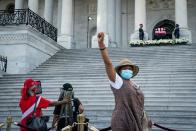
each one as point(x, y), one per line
point(192, 19)
point(157, 10)
point(25, 48)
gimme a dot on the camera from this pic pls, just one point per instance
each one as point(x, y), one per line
point(38, 87)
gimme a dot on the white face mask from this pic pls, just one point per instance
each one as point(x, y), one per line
point(126, 74)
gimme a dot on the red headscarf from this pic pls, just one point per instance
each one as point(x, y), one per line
point(28, 83)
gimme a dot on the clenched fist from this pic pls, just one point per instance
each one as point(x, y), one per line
point(100, 38)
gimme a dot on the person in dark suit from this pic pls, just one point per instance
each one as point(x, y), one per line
point(177, 32)
point(141, 32)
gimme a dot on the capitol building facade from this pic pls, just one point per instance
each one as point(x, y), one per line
point(78, 21)
point(75, 23)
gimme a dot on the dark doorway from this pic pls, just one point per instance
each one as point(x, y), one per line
point(10, 8)
point(164, 29)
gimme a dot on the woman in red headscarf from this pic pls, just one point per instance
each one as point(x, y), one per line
point(28, 98)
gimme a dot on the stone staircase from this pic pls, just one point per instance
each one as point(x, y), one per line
point(167, 77)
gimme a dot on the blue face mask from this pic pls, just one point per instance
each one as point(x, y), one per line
point(127, 74)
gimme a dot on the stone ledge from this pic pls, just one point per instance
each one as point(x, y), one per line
point(25, 48)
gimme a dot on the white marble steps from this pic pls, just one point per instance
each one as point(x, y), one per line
point(167, 77)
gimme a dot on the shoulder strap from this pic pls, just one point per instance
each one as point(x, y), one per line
point(32, 108)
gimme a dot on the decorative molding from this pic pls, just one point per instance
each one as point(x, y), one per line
point(166, 4)
point(13, 37)
point(191, 3)
point(30, 38)
point(160, 4)
point(92, 7)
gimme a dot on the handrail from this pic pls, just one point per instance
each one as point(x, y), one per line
point(28, 17)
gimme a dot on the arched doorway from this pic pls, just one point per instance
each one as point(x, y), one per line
point(165, 28)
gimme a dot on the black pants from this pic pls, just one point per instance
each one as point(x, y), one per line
point(141, 36)
point(177, 35)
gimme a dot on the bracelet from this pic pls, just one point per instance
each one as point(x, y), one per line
point(102, 48)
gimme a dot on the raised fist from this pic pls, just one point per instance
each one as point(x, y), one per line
point(100, 37)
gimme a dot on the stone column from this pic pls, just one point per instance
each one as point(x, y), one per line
point(118, 23)
point(59, 14)
point(140, 13)
point(19, 4)
point(140, 18)
point(181, 19)
point(111, 22)
point(48, 11)
point(101, 22)
point(33, 5)
point(125, 5)
point(66, 25)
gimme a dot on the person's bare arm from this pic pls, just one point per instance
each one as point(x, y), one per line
point(81, 108)
point(64, 101)
point(105, 56)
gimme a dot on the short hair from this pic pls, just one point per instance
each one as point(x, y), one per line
point(67, 87)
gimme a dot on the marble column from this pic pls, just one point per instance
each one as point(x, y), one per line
point(101, 22)
point(125, 36)
point(48, 11)
point(140, 13)
point(112, 22)
point(59, 14)
point(66, 24)
point(118, 23)
point(102, 16)
point(181, 19)
point(19, 4)
point(33, 5)
point(140, 18)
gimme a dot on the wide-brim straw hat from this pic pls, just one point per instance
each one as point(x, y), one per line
point(125, 62)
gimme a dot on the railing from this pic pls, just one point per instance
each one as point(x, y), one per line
point(3, 63)
point(80, 125)
point(28, 17)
